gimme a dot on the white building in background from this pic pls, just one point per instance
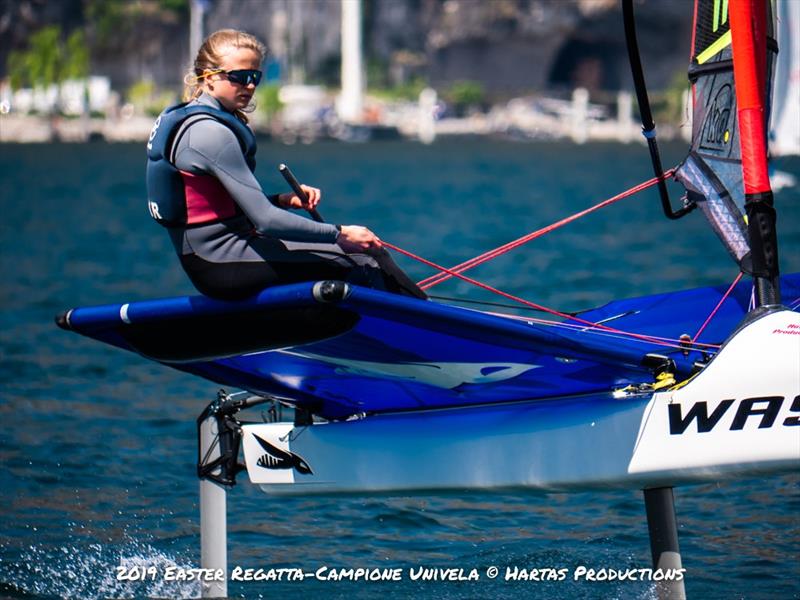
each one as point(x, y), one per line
point(350, 104)
point(426, 120)
point(73, 97)
point(22, 101)
point(99, 93)
point(45, 98)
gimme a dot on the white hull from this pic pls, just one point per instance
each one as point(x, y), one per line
point(740, 415)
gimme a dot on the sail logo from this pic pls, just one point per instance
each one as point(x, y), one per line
point(716, 128)
point(720, 14)
point(766, 407)
point(274, 458)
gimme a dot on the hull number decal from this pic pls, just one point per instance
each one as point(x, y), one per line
point(763, 410)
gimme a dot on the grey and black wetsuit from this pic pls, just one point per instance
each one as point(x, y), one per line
point(263, 244)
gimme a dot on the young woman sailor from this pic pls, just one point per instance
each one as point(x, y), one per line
point(231, 238)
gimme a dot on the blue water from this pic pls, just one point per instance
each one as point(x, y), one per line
point(98, 446)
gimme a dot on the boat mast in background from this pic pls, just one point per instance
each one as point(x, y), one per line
point(198, 9)
point(350, 106)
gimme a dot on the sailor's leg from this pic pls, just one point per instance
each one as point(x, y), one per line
point(396, 279)
point(375, 269)
point(274, 262)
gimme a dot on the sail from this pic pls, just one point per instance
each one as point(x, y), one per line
point(712, 173)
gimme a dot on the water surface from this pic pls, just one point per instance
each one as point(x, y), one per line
point(98, 446)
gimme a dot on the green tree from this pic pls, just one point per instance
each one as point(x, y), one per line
point(409, 90)
point(48, 59)
point(109, 19)
point(668, 104)
point(148, 99)
point(44, 59)
point(110, 22)
point(267, 99)
point(177, 7)
point(76, 60)
point(466, 93)
point(17, 71)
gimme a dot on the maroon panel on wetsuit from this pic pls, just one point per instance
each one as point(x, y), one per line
point(206, 199)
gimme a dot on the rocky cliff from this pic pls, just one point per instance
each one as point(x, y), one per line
point(512, 46)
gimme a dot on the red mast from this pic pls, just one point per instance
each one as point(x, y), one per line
point(749, 44)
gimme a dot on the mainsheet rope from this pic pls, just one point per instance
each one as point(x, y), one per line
point(672, 343)
point(458, 270)
point(717, 307)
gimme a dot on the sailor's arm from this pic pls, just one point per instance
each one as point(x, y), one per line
point(214, 149)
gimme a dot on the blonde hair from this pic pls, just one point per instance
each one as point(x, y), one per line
point(209, 57)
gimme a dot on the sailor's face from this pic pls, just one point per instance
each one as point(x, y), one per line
point(234, 96)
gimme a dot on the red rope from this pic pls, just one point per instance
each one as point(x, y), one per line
point(717, 307)
point(459, 269)
point(652, 340)
point(474, 262)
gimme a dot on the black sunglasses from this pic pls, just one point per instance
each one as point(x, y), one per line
point(241, 76)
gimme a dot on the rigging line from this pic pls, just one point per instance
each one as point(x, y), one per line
point(489, 288)
point(669, 342)
point(474, 262)
point(717, 307)
point(485, 303)
point(565, 325)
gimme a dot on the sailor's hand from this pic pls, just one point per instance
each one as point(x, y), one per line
point(354, 238)
point(292, 200)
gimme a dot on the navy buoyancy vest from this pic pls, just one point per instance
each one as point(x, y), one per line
point(168, 187)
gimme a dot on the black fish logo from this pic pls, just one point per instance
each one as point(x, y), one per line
point(275, 458)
